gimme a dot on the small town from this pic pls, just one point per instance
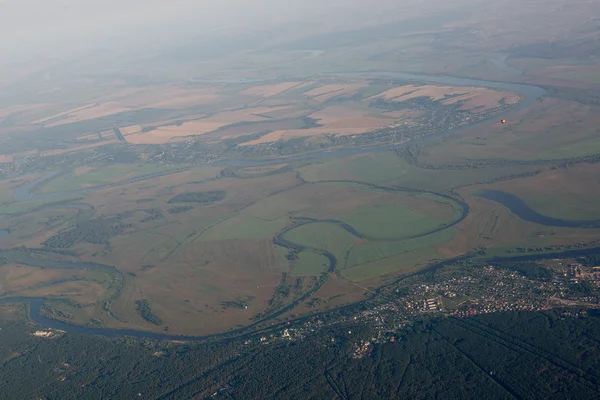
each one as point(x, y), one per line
point(478, 290)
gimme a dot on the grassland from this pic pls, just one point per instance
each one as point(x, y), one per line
point(371, 260)
point(89, 177)
point(551, 129)
point(309, 264)
point(323, 236)
point(390, 221)
point(569, 193)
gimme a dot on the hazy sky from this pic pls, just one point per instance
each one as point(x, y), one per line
point(38, 33)
point(38, 23)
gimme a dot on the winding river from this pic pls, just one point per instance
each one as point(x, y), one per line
point(523, 211)
point(529, 95)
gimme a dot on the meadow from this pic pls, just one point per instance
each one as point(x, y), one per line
point(85, 177)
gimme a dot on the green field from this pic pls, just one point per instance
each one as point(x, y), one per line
point(309, 264)
point(578, 75)
point(369, 252)
point(323, 236)
point(390, 221)
point(390, 169)
point(20, 207)
point(564, 206)
point(100, 176)
point(261, 220)
point(245, 226)
point(28, 206)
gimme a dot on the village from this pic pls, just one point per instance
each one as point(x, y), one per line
point(477, 290)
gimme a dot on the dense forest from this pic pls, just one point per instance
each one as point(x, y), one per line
point(97, 231)
point(526, 355)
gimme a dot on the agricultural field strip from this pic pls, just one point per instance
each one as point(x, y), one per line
point(31, 196)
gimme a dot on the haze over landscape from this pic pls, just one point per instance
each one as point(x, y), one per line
point(299, 199)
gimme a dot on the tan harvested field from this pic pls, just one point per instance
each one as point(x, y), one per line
point(127, 130)
point(329, 91)
point(130, 99)
point(230, 132)
point(172, 133)
point(473, 97)
point(6, 158)
point(168, 133)
point(338, 120)
point(270, 90)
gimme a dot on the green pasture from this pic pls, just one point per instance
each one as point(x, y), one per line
point(374, 251)
point(309, 264)
point(388, 168)
point(245, 226)
point(564, 205)
point(99, 176)
point(261, 220)
point(578, 75)
point(389, 221)
point(323, 236)
point(561, 140)
point(20, 207)
point(27, 206)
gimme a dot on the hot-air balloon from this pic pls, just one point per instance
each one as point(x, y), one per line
point(503, 121)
